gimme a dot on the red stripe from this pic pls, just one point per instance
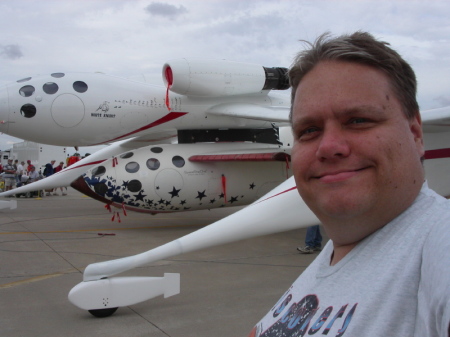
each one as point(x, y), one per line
point(275, 195)
point(436, 154)
point(167, 118)
point(87, 164)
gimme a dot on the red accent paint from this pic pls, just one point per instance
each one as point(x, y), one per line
point(279, 156)
point(167, 118)
point(224, 187)
point(275, 195)
point(169, 78)
point(437, 154)
point(87, 164)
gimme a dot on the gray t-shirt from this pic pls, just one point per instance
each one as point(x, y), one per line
point(396, 282)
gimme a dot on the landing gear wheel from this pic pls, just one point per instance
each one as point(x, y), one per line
point(28, 195)
point(102, 312)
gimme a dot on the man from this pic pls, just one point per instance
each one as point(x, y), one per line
point(33, 175)
point(48, 171)
point(20, 171)
point(9, 175)
point(357, 164)
point(313, 241)
point(29, 165)
point(56, 170)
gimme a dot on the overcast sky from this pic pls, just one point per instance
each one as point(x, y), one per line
point(127, 38)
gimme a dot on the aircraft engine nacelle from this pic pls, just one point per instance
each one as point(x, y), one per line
point(214, 78)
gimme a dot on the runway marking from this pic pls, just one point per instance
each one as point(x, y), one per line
point(30, 280)
point(101, 229)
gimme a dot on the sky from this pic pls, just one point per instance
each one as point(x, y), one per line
point(127, 38)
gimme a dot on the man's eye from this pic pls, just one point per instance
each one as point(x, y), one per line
point(358, 120)
point(307, 133)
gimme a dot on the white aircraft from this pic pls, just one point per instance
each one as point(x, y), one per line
point(225, 121)
point(209, 138)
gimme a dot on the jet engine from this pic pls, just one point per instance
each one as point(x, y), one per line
point(214, 78)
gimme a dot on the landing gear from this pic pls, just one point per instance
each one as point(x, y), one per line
point(102, 312)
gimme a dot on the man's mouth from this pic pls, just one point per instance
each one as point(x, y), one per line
point(337, 176)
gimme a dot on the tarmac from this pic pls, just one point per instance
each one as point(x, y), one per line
point(46, 243)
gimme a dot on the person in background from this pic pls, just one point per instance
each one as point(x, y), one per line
point(29, 165)
point(33, 175)
point(48, 171)
point(20, 171)
point(9, 175)
point(313, 241)
point(56, 170)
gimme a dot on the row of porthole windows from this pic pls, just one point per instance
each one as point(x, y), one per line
point(133, 167)
point(52, 88)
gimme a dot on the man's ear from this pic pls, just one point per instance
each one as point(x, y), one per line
point(415, 126)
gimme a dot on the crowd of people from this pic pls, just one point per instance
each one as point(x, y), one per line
point(15, 174)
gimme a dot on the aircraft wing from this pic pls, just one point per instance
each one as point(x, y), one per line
point(276, 114)
point(69, 174)
point(436, 120)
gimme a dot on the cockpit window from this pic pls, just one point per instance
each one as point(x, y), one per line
point(50, 88)
point(28, 110)
point(80, 86)
point(58, 75)
point(24, 79)
point(26, 91)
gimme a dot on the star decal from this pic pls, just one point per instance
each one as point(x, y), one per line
point(125, 184)
point(161, 201)
point(233, 199)
point(140, 196)
point(212, 201)
point(182, 202)
point(252, 186)
point(201, 195)
point(221, 196)
point(174, 192)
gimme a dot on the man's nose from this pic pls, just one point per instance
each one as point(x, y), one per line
point(333, 144)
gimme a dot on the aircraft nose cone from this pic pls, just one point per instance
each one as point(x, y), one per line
point(81, 186)
point(4, 109)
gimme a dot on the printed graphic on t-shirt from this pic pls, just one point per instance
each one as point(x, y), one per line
point(305, 317)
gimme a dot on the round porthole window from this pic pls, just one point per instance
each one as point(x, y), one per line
point(126, 155)
point(100, 188)
point(26, 91)
point(80, 86)
point(28, 110)
point(134, 186)
point(98, 171)
point(156, 149)
point(153, 164)
point(178, 161)
point(132, 167)
point(50, 88)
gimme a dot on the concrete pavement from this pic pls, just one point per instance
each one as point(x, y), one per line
point(45, 244)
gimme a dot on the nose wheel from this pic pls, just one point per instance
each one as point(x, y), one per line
point(101, 313)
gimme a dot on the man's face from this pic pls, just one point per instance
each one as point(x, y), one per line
point(355, 155)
